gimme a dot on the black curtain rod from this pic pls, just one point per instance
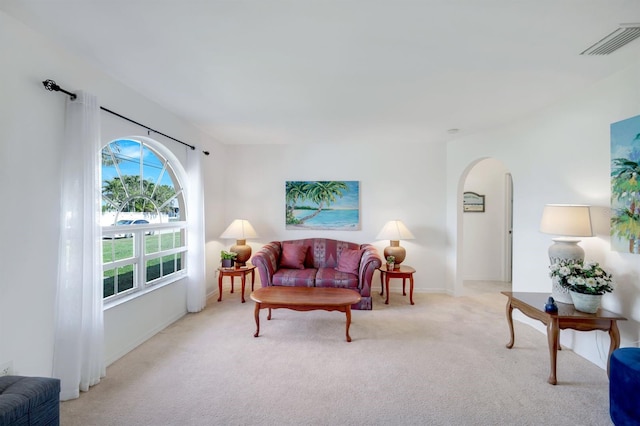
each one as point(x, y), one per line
point(51, 86)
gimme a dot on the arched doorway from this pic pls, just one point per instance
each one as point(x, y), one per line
point(486, 227)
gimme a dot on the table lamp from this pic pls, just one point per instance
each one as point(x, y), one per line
point(394, 231)
point(567, 221)
point(240, 230)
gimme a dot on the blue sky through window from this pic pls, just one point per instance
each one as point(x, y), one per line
point(129, 155)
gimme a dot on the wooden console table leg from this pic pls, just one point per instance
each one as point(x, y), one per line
point(256, 314)
point(510, 323)
point(614, 335)
point(219, 286)
point(348, 312)
point(231, 283)
point(552, 336)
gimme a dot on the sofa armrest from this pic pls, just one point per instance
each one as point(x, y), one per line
point(266, 262)
point(369, 262)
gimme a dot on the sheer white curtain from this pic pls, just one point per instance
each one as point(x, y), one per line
point(78, 359)
point(196, 285)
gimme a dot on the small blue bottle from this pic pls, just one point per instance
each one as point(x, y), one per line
point(551, 306)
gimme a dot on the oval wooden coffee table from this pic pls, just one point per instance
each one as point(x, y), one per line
point(304, 299)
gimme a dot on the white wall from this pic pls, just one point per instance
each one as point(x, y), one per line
point(485, 233)
point(407, 184)
point(31, 128)
point(560, 155)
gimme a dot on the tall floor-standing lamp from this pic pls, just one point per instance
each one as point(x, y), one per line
point(240, 230)
point(394, 231)
point(568, 222)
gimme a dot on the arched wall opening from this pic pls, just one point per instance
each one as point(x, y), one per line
point(484, 227)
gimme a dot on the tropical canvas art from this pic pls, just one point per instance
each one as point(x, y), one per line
point(625, 187)
point(324, 205)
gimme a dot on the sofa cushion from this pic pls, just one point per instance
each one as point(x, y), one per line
point(349, 261)
point(330, 277)
point(295, 277)
point(293, 256)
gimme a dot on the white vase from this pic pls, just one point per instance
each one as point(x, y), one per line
point(588, 303)
point(559, 293)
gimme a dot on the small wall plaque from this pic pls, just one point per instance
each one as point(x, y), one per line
point(472, 202)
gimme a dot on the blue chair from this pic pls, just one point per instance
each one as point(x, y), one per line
point(624, 387)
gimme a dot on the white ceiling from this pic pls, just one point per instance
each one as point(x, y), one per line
point(341, 71)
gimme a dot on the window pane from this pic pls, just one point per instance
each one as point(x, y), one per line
point(152, 242)
point(153, 269)
point(121, 279)
point(116, 249)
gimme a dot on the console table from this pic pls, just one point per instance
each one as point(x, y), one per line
point(532, 305)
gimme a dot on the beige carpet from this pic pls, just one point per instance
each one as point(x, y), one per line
point(442, 361)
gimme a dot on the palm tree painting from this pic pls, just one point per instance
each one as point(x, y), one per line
point(324, 205)
point(625, 185)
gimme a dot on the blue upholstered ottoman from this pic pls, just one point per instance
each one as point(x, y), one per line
point(29, 401)
point(624, 387)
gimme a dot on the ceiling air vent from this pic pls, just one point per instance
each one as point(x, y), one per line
point(614, 41)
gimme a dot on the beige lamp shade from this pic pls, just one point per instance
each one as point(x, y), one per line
point(394, 231)
point(566, 220)
point(240, 230)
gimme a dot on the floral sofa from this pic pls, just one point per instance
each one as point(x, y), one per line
point(319, 262)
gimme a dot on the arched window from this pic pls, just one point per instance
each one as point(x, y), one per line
point(143, 219)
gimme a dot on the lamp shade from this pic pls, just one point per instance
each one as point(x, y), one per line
point(395, 230)
point(240, 229)
point(566, 220)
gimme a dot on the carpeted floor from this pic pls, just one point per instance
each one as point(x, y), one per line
point(442, 361)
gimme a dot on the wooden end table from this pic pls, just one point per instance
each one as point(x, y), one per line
point(241, 272)
point(403, 272)
point(532, 305)
point(304, 299)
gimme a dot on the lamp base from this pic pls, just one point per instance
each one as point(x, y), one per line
point(565, 249)
point(396, 251)
point(243, 250)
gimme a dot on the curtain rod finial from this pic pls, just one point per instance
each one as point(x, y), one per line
point(51, 85)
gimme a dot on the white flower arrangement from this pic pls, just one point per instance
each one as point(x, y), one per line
point(581, 277)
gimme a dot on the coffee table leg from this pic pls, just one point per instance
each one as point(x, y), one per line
point(256, 313)
point(382, 274)
point(219, 286)
point(510, 322)
point(348, 312)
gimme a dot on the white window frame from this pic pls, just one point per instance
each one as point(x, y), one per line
point(138, 233)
